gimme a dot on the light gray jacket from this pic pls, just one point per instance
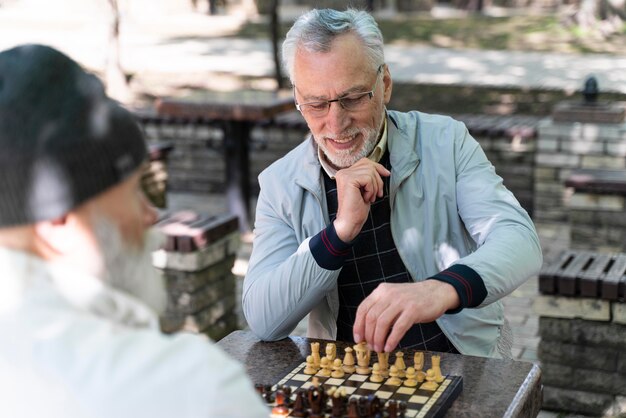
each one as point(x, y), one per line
point(448, 206)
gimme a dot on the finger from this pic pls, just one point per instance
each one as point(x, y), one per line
point(400, 327)
point(384, 323)
point(380, 169)
point(358, 329)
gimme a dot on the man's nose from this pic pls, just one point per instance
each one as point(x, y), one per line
point(338, 119)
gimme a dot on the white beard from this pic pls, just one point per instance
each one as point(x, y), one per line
point(130, 269)
point(345, 158)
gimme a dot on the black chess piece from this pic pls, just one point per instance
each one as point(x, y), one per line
point(353, 408)
point(376, 406)
point(287, 392)
point(338, 406)
point(299, 404)
point(392, 409)
point(401, 409)
point(364, 407)
point(267, 394)
point(316, 397)
point(280, 408)
point(259, 389)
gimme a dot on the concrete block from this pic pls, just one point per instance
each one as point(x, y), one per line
point(546, 174)
point(595, 358)
point(578, 331)
point(189, 303)
point(603, 161)
point(584, 402)
point(583, 146)
point(616, 149)
point(200, 259)
point(577, 378)
point(181, 281)
point(566, 307)
point(548, 144)
point(557, 160)
point(619, 315)
point(596, 202)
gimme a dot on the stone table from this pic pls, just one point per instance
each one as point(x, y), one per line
point(491, 387)
point(236, 112)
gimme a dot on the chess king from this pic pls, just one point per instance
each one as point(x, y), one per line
point(386, 227)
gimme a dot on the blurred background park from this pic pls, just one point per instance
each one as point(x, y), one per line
point(506, 68)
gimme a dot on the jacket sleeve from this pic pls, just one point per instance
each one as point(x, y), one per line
point(508, 250)
point(284, 282)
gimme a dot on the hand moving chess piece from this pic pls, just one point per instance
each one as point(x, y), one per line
point(376, 376)
point(310, 366)
point(394, 377)
point(331, 351)
point(400, 363)
point(362, 358)
point(315, 352)
point(436, 366)
point(430, 381)
point(348, 361)
point(325, 367)
point(383, 360)
point(411, 375)
point(337, 369)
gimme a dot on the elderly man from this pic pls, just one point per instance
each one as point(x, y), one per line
point(385, 227)
point(79, 333)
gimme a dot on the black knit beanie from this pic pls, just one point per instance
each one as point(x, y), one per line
point(62, 140)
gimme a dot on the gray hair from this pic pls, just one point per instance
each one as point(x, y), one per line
point(315, 30)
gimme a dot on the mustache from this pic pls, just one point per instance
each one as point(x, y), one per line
point(345, 134)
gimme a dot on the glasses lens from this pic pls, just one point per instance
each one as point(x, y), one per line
point(354, 101)
point(316, 109)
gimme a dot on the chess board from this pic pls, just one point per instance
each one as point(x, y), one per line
point(420, 403)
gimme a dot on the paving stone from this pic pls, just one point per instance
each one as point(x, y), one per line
point(197, 260)
point(598, 358)
point(578, 331)
point(596, 404)
point(619, 313)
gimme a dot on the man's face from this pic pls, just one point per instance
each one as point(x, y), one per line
point(344, 136)
point(123, 242)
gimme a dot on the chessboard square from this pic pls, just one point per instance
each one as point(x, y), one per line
point(306, 385)
point(382, 394)
point(370, 385)
point(352, 383)
point(358, 378)
point(301, 377)
point(389, 388)
point(334, 381)
point(418, 399)
point(411, 413)
point(363, 392)
point(349, 389)
point(406, 390)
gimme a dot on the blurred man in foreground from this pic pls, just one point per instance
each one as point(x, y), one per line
point(79, 298)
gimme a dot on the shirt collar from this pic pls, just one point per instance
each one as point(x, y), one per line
point(375, 155)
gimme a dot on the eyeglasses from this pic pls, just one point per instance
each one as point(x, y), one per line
point(351, 102)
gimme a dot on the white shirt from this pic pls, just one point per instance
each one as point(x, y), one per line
point(70, 346)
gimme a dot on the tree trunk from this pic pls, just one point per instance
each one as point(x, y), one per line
point(274, 28)
point(116, 84)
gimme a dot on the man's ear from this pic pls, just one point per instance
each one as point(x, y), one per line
point(59, 236)
point(388, 83)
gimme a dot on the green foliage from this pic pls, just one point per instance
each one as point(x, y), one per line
point(515, 33)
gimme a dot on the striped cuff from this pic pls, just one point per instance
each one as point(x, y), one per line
point(467, 283)
point(328, 250)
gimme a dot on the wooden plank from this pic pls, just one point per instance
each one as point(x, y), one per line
point(591, 278)
point(614, 280)
point(567, 281)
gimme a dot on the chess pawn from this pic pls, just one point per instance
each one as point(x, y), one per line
point(348, 361)
point(430, 381)
point(436, 363)
point(411, 375)
point(315, 352)
point(337, 369)
point(331, 351)
point(325, 364)
point(362, 358)
point(310, 366)
point(400, 363)
point(383, 360)
point(394, 377)
point(376, 376)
